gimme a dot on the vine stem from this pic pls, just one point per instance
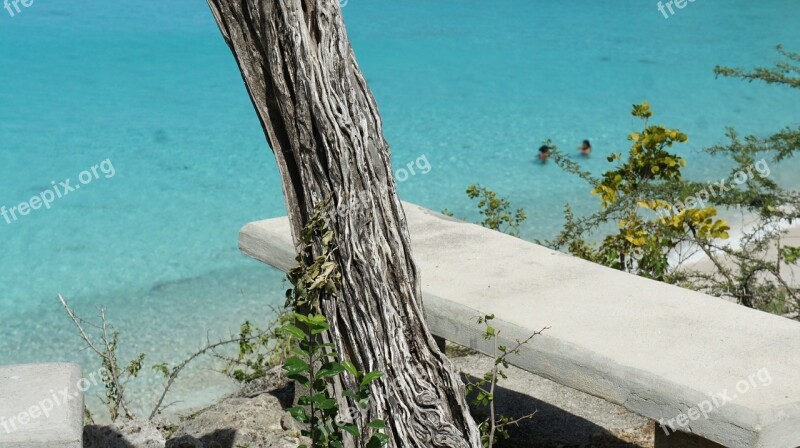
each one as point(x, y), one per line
point(491, 392)
point(312, 380)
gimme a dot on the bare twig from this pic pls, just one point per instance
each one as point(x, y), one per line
point(106, 354)
point(177, 370)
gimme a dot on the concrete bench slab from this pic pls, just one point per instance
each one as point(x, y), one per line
point(706, 367)
point(41, 406)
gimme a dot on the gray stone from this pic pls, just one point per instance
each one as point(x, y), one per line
point(124, 434)
point(658, 350)
point(253, 417)
point(141, 433)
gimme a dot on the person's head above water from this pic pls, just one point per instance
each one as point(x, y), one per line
point(544, 153)
point(585, 148)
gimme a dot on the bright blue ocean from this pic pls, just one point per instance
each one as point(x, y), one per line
point(471, 86)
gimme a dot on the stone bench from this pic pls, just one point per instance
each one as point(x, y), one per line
point(41, 406)
point(719, 373)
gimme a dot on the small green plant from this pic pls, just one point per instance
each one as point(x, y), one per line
point(497, 211)
point(313, 366)
point(495, 427)
point(316, 364)
point(253, 359)
point(259, 350)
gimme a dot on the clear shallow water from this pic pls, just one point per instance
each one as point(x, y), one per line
point(472, 86)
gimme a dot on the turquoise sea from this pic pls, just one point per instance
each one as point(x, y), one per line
point(471, 87)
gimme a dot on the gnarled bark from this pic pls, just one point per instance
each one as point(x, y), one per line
point(323, 125)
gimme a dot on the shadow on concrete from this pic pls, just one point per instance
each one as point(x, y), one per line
point(550, 427)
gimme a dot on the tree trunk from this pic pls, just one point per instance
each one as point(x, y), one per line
point(323, 125)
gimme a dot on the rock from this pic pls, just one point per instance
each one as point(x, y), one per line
point(254, 417)
point(274, 380)
point(288, 423)
point(257, 422)
point(141, 433)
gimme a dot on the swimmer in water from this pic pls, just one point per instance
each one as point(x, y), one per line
point(585, 148)
point(544, 153)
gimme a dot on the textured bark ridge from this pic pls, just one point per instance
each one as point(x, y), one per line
point(323, 125)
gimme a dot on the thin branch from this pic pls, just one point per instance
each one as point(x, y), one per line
point(517, 421)
point(107, 355)
point(492, 420)
point(177, 370)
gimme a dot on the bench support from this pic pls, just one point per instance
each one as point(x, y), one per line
point(682, 440)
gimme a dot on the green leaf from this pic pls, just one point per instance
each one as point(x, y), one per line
point(302, 379)
point(378, 440)
point(296, 365)
point(293, 331)
point(329, 370)
point(319, 328)
point(323, 402)
point(350, 367)
point(300, 352)
point(352, 429)
point(301, 318)
point(298, 413)
point(162, 369)
point(370, 377)
point(790, 254)
point(379, 424)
